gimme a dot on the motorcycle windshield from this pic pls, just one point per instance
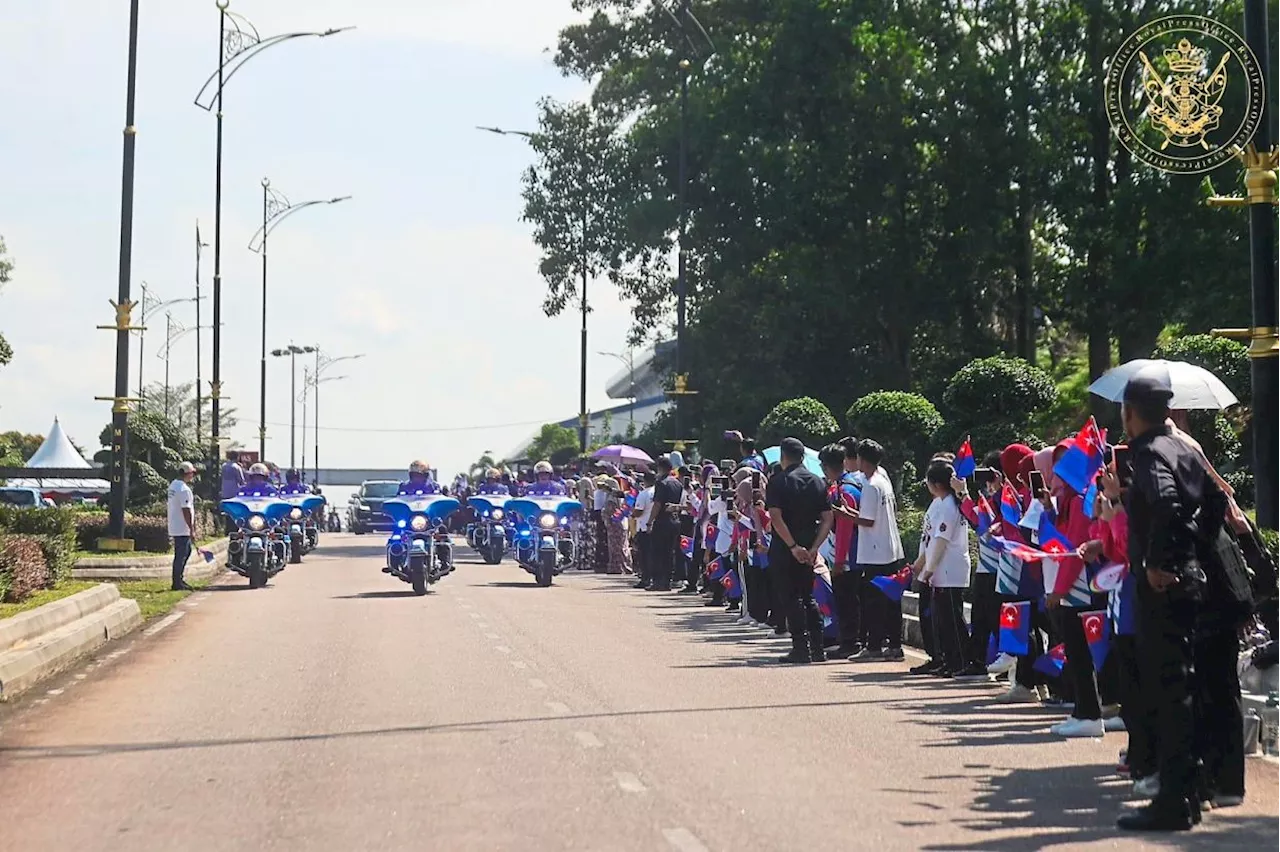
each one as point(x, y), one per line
point(306, 502)
point(436, 508)
point(240, 508)
point(487, 502)
point(531, 507)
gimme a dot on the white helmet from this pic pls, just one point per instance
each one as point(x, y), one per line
point(492, 473)
point(259, 469)
point(418, 466)
point(542, 467)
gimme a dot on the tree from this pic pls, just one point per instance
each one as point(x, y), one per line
point(156, 447)
point(182, 410)
point(6, 271)
point(552, 440)
point(16, 448)
point(804, 418)
point(482, 464)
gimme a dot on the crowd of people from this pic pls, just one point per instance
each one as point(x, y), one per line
point(1120, 583)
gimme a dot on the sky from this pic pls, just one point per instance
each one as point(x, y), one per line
point(427, 271)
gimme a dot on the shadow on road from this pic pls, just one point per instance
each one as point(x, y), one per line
point(396, 593)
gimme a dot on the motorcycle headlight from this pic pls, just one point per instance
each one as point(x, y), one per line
point(419, 523)
point(295, 513)
point(497, 514)
point(257, 523)
point(547, 520)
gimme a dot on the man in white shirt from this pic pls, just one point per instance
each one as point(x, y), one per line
point(879, 554)
point(182, 524)
point(643, 512)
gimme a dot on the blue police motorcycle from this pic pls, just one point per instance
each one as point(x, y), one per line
point(259, 547)
point(419, 551)
point(304, 534)
point(546, 534)
point(488, 534)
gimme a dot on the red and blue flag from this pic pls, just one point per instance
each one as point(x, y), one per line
point(732, 585)
point(1083, 457)
point(1010, 505)
point(825, 598)
point(1015, 628)
point(986, 516)
point(1052, 663)
point(1097, 635)
point(1090, 497)
point(717, 569)
point(895, 584)
point(1052, 539)
point(965, 464)
point(686, 546)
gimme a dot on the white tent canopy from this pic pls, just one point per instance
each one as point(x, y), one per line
point(57, 451)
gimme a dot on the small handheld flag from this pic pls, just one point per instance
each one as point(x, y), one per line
point(1107, 578)
point(1051, 664)
point(686, 546)
point(732, 586)
point(1083, 457)
point(1010, 505)
point(1015, 628)
point(993, 650)
point(894, 585)
point(986, 516)
point(825, 598)
point(717, 569)
point(1090, 497)
point(207, 554)
point(1097, 635)
point(965, 464)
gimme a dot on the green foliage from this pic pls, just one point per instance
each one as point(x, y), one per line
point(910, 525)
point(16, 448)
point(652, 438)
point(1241, 480)
point(804, 418)
point(23, 569)
point(1226, 359)
point(156, 447)
point(54, 529)
point(150, 533)
point(552, 440)
point(6, 270)
point(999, 388)
point(903, 423)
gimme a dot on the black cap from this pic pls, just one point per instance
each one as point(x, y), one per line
point(1150, 384)
point(792, 447)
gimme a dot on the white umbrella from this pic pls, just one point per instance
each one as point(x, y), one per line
point(1193, 387)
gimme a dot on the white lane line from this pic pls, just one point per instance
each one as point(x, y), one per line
point(502, 649)
point(164, 623)
point(683, 840)
point(81, 676)
point(628, 782)
point(54, 692)
point(519, 664)
point(586, 739)
point(558, 707)
point(492, 636)
point(537, 683)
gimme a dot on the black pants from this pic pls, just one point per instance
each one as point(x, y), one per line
point(1135, 706)
point(642, 557)
point(985, 609)
point(881, 615)
point(758, 592)
point(1219, 729)
point(664, 540)
point(802, 616)
point(846, 588)
point(1078, 671)
point(182, 552)
point(951, 639)
point(1165, 653)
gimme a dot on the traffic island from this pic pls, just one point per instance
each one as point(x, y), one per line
point(41, 642)
point(157, 566)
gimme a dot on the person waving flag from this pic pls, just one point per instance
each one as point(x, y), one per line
point(965, 464)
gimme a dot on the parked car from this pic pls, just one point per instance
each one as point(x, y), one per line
point(364, 511)
point(27, 498)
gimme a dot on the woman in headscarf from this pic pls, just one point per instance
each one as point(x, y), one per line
point(616, 521)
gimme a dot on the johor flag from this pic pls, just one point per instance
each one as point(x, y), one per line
point(686, 546)
point(1083, 458)
point(826, 601)
point(894, 585)
point(1052, 541)
point(732, 586)
point(1015, 628)
point(1010, 506)
point(1097, 635)
point(1090, 497)
point(717, 569)
point(1051, 663)
point(964, 464)
point(993, 650)
point(986, 517)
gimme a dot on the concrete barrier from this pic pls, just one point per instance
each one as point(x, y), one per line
point(37, 644)
point(150, 566)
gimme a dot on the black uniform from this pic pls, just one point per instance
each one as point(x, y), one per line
point(664, 532)
point(801, 497)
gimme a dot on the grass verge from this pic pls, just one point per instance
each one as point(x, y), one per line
point(134, 554)
point(154, 597)
point(44, 596)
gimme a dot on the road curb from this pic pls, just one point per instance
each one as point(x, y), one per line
point(40, 643)
point(156, 567)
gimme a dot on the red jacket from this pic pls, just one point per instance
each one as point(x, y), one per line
point(1075, 525)
point(845, 528)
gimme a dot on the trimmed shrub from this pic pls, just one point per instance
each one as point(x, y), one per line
point(910, 525)
point(23, 567)
point(903, 423)
point(1242, 481)
point(1001, 389)
point(1226, 359)
point(149, 533)
point(804, 418)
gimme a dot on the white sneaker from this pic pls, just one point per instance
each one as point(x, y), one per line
point(1113, 725)
point(1080, 728)
point(1003, 663)
point(1148, 787)
point(1017, 694)
point(764, 625)
point(746, 619)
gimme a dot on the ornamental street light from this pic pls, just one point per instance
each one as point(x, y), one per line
point(276, 207)
point(323, 363)
point(199, 405)
point(150, 305)
point(238, 42)
point(173, 332)
point(629, 362)
point(292, 352)
point(308, 382)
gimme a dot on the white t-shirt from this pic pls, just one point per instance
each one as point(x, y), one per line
point(880, 543)
point(179, 498)
point(643, 509)
point(943, 521)
point(601, 497)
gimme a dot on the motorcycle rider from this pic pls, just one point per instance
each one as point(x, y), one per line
point(420, 481)
point(293, 484)
point(544, 485)
point(257, 482)
point(492, 484)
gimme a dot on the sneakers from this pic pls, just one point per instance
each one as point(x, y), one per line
point(1018, 694)
point(1002, 664)
point(1227, 801)
point(925, 668)
point(1078, 728)
point(795, 658)
point(972, 673)
point(867, 655)
point(1114, 725)
point(894, 655)
point(1167, 818)
point(847, 651)
point(1147, 788)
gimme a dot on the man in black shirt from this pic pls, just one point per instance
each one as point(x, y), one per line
point(664, 531)
point(801, 515)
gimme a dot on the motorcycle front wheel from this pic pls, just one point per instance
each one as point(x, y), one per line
point(546, 567)
point(418, 576)
point(257, 571)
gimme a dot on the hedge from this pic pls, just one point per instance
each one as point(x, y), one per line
point(998, 390)
point(1227, 359)
point(149, 533)
point(53, 529)
point(22, 567)
point(805, 418)
point(903, 423)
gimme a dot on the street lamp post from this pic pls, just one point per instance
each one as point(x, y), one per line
point(293, 352)
point(199, 403)
point(174, 331)
point(276, 207)
point(309, 382)
point(629, 362)
point(238, 42)
point(323, 362)
point(149, 307)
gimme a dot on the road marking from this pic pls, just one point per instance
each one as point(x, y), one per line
point(54, 692)
point(557, 707)
point(519, 664)
point(464, 604)
point(502, 649)
point(81, 676)
point(537, 683)
point(164, 623)
point(492, 636)
point(482, 625)
point(586, 739)
point(683, 839)
point(628, 782)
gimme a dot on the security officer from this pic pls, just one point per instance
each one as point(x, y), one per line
point(664, 529)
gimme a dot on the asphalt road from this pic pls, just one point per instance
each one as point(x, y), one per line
point(335, 711)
